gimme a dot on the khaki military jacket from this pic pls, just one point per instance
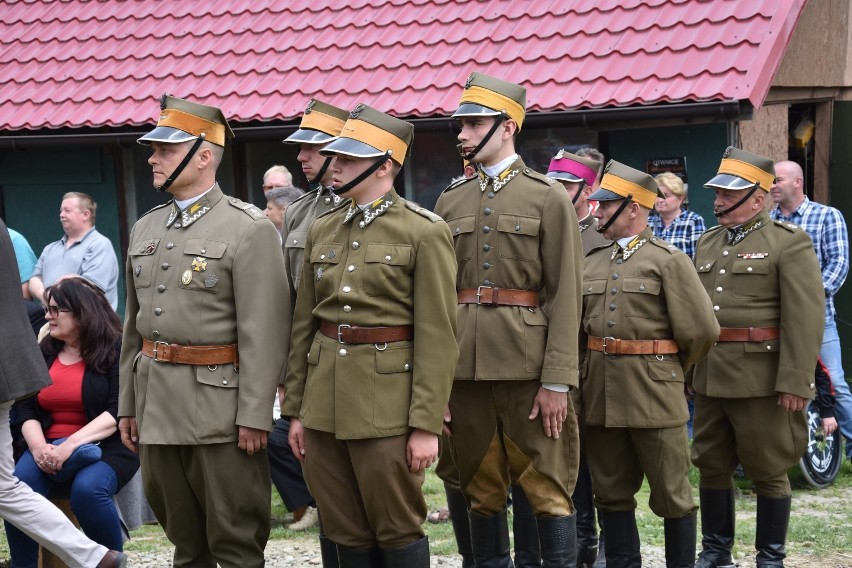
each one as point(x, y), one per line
point(768, 277)
point(647, 291)
point(516, 231)
point(589, 234)
point(212, 274)
point(391, 265)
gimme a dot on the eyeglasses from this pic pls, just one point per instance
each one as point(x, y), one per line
point(54, 310)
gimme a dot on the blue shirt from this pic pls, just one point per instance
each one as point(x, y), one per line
point(91, 257)
point(827, 229)
point(682, 233)
point(24, 253)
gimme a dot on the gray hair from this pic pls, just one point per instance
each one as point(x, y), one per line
point(283, 196)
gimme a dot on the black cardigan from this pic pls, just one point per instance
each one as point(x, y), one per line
point(100, 393)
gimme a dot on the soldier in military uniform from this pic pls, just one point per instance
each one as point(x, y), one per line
point(372, 350)
point(578, 175)
point(645, 323)
point(202, 354)
point(518, 254)
point(764, 282)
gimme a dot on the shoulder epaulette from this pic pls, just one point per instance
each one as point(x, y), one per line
point(458, 183)
point(665, 245)
point(251, 210)
point(160, 206)
point(792, 227)
point(599, 247)
point(336, 208)
point(530, 173)
point(423, 211)
point(304, 196)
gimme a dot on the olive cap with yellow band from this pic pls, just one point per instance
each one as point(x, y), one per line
point(743, 170)
point(620, 182)
point(369, 133)
point(182, 120)
point(321, 123)
point(489, 96)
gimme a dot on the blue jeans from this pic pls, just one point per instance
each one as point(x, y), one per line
point(92, 490)
point(830, 355)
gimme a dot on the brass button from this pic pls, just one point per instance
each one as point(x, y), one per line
point(715, 308)
point(322, 257)
point(347, 289)
point(204, 251)
point(350, 268)
point(749, 269)
point(387, 258)
point(347, 309)
point(725, 253)
point(406, 367)
point(356, 245)
point(722, 271)
point(224, 381)
point(362, 224)
point(719, 288)
point(342, 352)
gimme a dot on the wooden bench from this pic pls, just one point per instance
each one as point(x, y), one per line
point(46, 559)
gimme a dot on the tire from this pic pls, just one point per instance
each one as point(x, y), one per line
point(822, 459)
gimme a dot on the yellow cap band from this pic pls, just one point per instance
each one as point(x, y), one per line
point(487, 98)
point(331, 125)
point(376, 137)
point(748, 172)
point(173, 118)
point(622, 187)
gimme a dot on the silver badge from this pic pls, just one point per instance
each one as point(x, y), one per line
point(319, 273)
point(331, 254)
point(138, 270)
point(210, 280)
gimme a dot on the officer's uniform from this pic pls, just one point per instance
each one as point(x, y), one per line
point(764, 282)
point(201, 356)
point(372, 354)
point(518, 256)
point(645, 322)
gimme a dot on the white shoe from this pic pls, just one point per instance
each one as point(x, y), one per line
point(308, 520)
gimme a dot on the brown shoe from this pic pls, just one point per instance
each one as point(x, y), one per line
point(113, 559)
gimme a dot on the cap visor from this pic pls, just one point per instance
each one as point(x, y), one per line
point(308, 136)
point(728, 181)
point(605, 195)
point(470, 109)
point(564, 176)
point(350, 147)
point(166, 134)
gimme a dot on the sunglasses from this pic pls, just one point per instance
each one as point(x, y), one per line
point(54, 310)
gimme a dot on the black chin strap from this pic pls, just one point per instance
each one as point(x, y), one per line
point(376, 165)
point(182, 165)
point(619, 211)
point(497, 122)
point(577, 195)
point(738, 203)
point(323, 169)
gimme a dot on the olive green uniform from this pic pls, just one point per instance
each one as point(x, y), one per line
point(515, 231)
point(391, 265)
point(765, 274)
point(211, 274)
point(635, 408)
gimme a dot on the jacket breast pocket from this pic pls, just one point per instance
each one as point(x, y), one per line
point(142, 261)
point(592, 301)
point(388, 270)
point(294, 253)
point(201, 267)
point(464, 240)
point(747, 278)
point(393, 378)
point(325, 265)
point(641, 297)
point(518, 237)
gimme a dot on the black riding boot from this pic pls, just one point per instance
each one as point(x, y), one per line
point(414, 555)
point(461, 525)
point(717, 528)
point(328, 549)
point(358, 558)
point(622, 539)
point(773, 517)
point(558, 541)
point(527, 552)
point(489, 535)
point(587, 530)
point(680, 542)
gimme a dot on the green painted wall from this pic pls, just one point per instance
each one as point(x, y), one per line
point(701, 144)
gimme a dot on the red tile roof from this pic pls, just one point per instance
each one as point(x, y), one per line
point(104, 63)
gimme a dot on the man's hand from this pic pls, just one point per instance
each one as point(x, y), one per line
point(421, 451)
point(252, 440)
point(129, 434)
point(553, 407)
point(296, 438)
point(448, 419)
point(791, 402)
point(829, 425)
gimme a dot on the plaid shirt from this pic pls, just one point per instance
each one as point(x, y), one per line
point(682, 233)
point(827, 230)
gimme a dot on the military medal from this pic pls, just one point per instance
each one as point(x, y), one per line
point(149, 247)
point(199, 264)
point(210, 280)
point(187, 277)
point(751, 255)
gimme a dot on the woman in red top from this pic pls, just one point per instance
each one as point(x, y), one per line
point(81, 350)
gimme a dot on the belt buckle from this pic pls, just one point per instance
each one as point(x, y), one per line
point(340, 329)
point(605, 340)
point(479, 295)
point(156, 353)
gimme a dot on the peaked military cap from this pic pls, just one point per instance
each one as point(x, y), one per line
point(320, 123)
point(742, 170)
point(620, 182)
point(182, 120)
point(489, 96)
point(569, 167)
point(369, 133)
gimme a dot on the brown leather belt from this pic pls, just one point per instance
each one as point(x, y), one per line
point(750, 334)
point(488, 296)
point(191, 354)
point(614, 346)
point(344, 333)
